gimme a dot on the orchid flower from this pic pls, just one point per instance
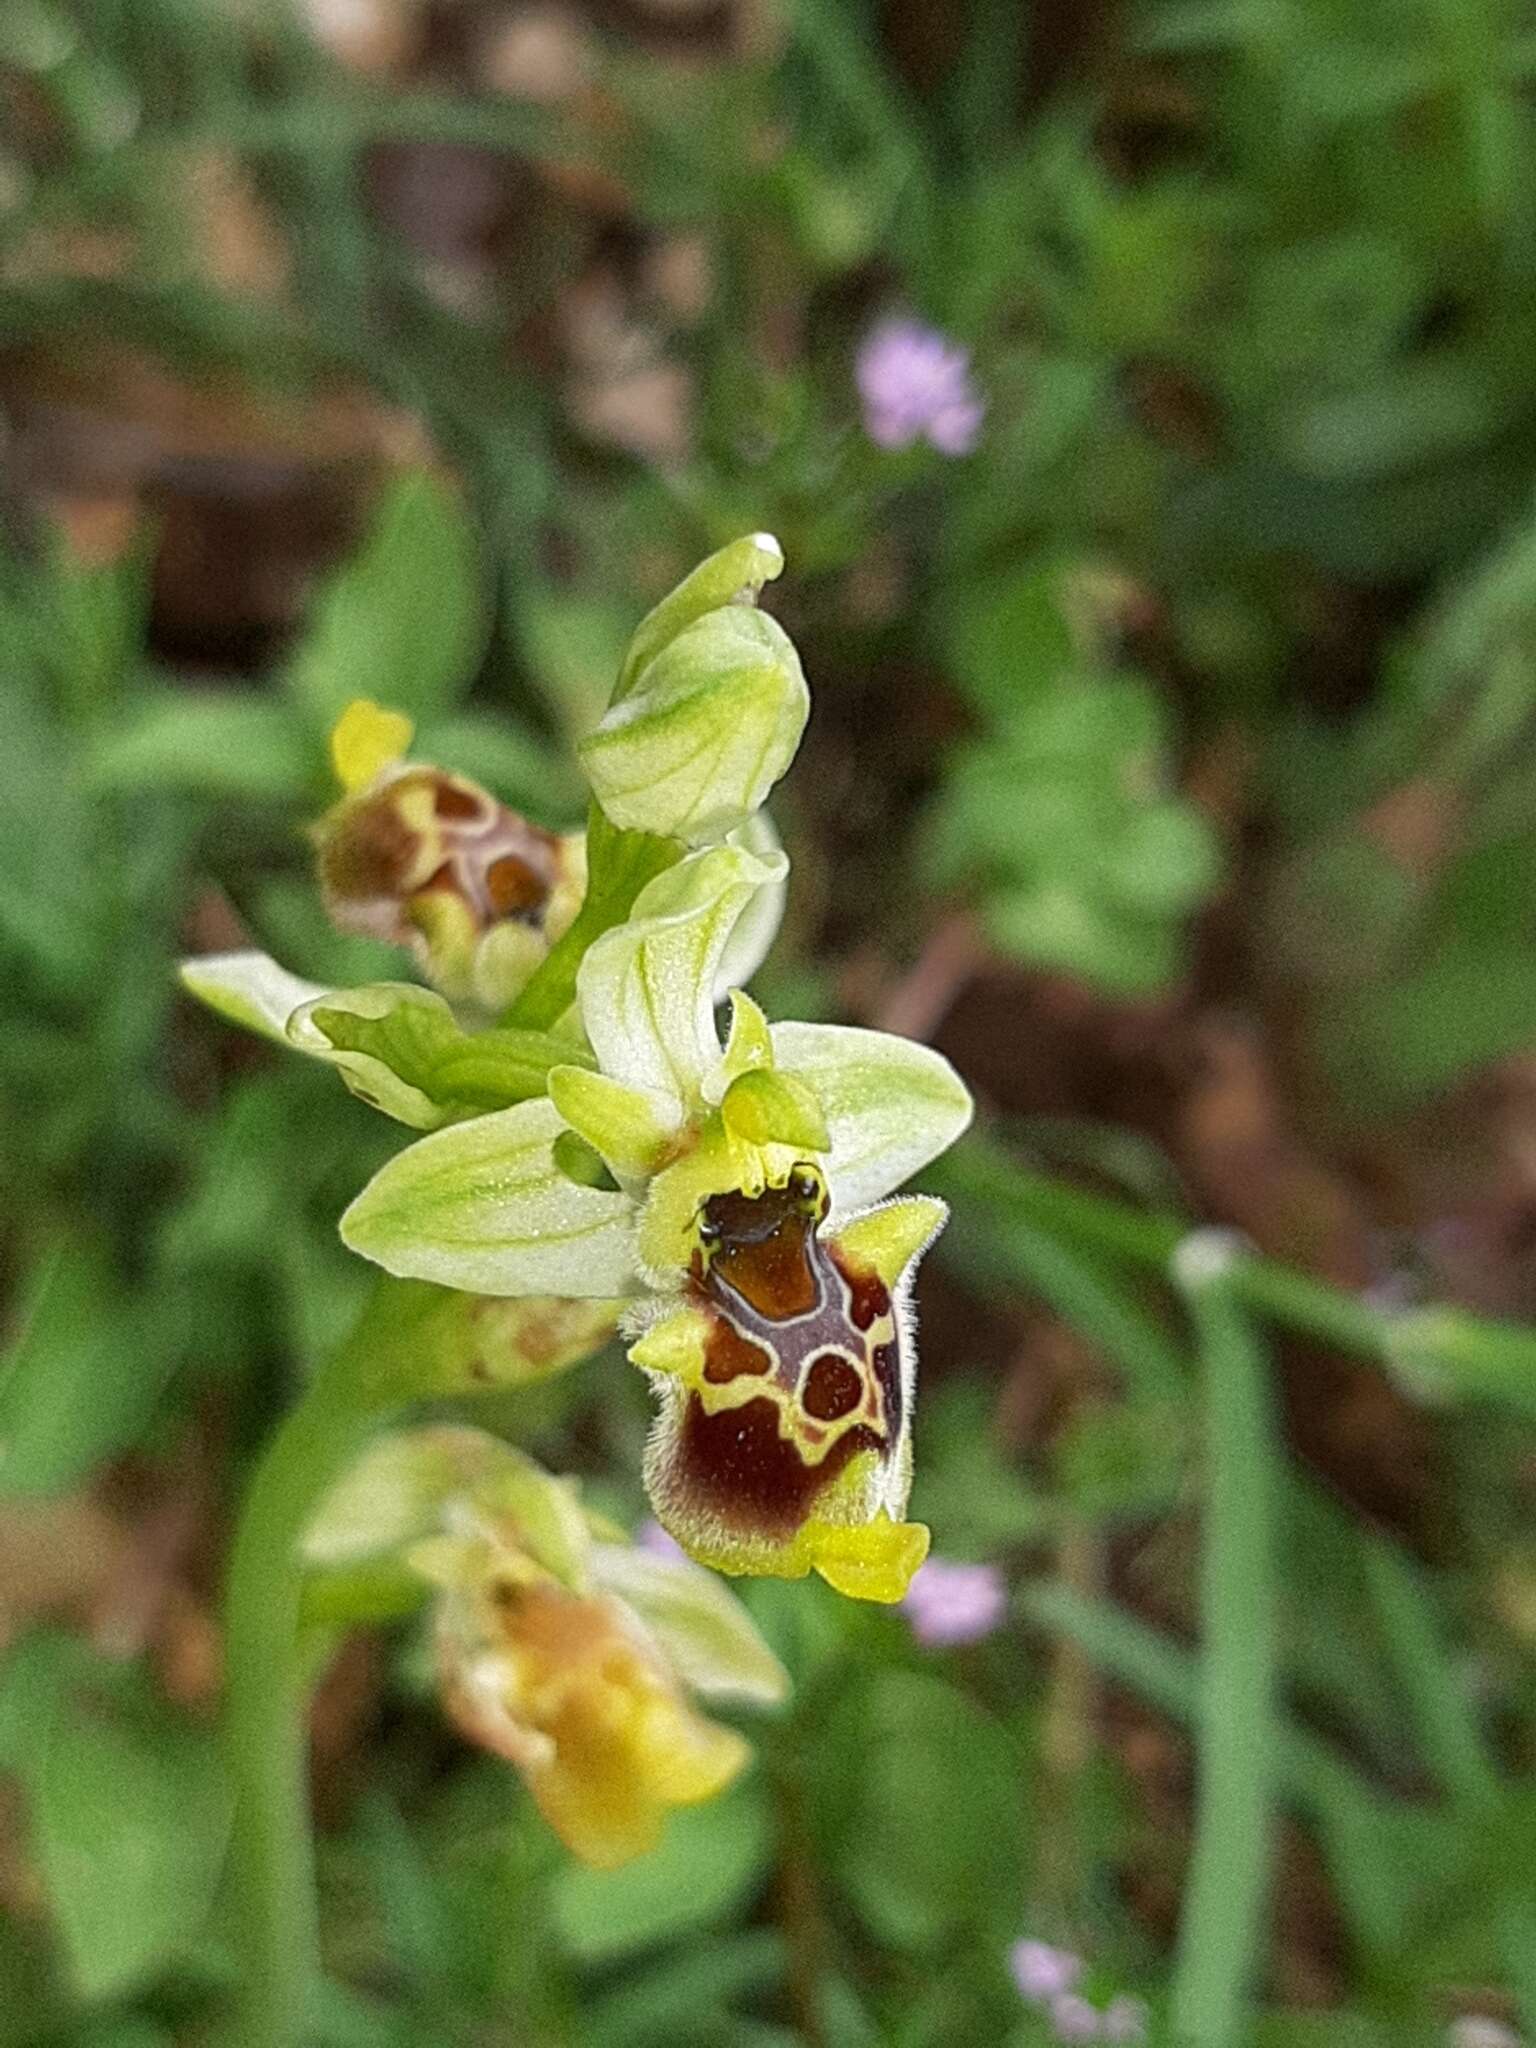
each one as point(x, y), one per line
point(736, 1196)
point(561, 1647)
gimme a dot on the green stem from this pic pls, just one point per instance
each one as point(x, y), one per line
point(1224, 1907)
point(265, 1727)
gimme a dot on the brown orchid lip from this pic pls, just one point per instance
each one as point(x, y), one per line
point(787, 1311)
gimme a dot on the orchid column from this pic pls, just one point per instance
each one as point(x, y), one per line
point(594, 1154)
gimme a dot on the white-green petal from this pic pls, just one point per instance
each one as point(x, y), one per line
point(754, 932)
point(647, 988)
point(249, 989)
point(704, 1630)
point(483, 1206)
point(890, 1105)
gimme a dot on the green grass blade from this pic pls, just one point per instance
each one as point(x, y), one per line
point(1228, 1886)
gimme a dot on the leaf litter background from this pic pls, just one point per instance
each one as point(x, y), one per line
point(1171, 767)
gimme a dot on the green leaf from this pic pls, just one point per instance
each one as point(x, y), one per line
point(926, 1847)
point(213, 743)
point(1009, 637)
point(403, 622)
point(709, 1859)
point(129, 1813)
point(81, 1378)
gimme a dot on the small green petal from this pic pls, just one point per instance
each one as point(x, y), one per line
point(631, 1127)
point(748, 1045)
point(890, 1105)
point(483, 1206)
point(768, 1108)
point(894, 1236)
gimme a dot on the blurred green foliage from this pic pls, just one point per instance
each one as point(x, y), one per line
point(1250, 296)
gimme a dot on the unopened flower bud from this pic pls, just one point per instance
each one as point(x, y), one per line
point(422, 858)
point(709, 709)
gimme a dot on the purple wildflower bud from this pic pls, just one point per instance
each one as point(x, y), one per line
point(651, 1537)
point(1074, 2018)
point(1124, 2019)
point(913, 382)
point(955, 1603)
point(1040, 1971)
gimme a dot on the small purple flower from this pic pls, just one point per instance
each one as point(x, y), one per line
point(1042, 1973)
point(955, 1603)
point(1125, 2019)
point(651, 1537)
point(1074, 2018)
point(913, 382)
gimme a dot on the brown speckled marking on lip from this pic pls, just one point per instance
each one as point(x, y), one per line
point(730, 1356)
point(834, 1387)
point(868, 1296)
point(514, 889)
point(738, 1469)
point(450, 801)
point(822, 1339)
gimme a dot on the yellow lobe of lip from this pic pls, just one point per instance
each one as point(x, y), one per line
point(875, 1561)
point(366, 740)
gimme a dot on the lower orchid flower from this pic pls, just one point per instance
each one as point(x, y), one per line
point(571, 1654)
point(736, 1196)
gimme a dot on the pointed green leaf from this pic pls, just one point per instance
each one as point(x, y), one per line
point(129, 1811)
point(483, 1206)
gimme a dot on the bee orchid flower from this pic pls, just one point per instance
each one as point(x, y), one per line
point(560, 1646)
point(736, 1195)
